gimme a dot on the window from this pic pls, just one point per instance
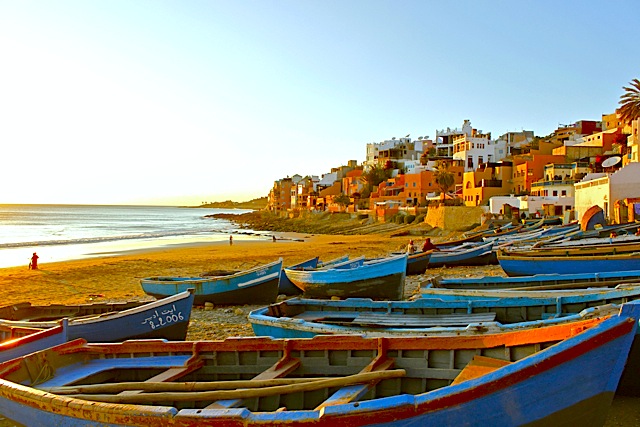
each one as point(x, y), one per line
point(564, 192)
point(555, 192)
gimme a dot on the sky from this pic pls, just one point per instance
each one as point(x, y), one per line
point(182, 102)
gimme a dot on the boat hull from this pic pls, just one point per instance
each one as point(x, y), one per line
point(285, 287)
point(571, 381)
point(464, 255)
point(377, 279)
point(538, 281)
point(529, 266)
point(167, 318)
point(17, 342)
point(418, 263)
point(258, 285)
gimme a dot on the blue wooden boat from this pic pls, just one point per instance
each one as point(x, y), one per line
point(258, 285)
point(465, 254)
point(167, 318)
point(17, 341)
point(526, 265)
point(622, 292)
point(377, 279)
point(285, 287)
point(605, 246)
point(535, 282)
point(28, 311)
point(517, 378)
point(304, 318)
point(418, 262)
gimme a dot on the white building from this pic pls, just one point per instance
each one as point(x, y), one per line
point(532, 204)
point(444, 139)
point(604, 189)
point(393, 149)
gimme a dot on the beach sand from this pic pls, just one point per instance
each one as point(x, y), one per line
point(116, 278)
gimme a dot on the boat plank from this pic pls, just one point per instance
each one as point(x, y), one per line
point(282, 368)
point(170, 374)
point(420, 320)
point(84, 370)
point(478, 366)
point(356, 392)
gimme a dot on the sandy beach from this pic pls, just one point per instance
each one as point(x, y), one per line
point(116, 278)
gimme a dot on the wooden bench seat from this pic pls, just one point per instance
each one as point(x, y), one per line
point(356, 392)
point(479, 366)
point(281, 369)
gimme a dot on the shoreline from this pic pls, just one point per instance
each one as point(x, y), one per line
point(115, 276)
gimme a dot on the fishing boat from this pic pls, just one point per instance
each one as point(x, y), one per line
point(258, 285)
point(465, 254)
point(547, 234)
point(516, 378)
point(167, 318)
point(621, 292)
point(285, 287)
point(304, 318)
point(377, 279)
point(605, 246)
point(418, 262)
point(523, 264)
point(17, 341)
point(535, 282)
point(28, 311)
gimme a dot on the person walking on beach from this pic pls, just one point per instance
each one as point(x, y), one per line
point(230, 240)
point(33, 265)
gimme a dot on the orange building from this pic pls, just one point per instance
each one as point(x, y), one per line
point(490, 179)
point(529, 169)
point(354, 182)
point(280, 195)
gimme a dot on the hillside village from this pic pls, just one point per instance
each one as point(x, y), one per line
point(586, 163)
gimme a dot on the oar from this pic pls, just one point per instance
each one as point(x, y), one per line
point(145, 398)
point(181, 386)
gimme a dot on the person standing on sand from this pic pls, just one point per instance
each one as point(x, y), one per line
point(230, 240)
point(33, 265)
point(274, 238)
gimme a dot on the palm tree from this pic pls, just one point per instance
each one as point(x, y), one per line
point(630, 102)
point(443, 177)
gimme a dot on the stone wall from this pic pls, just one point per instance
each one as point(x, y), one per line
point(454, 218)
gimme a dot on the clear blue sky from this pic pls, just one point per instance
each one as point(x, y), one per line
point(178, 102)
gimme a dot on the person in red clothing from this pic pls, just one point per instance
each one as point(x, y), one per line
point(428, 246)
point(33, 265)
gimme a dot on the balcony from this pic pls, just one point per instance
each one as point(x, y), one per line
point(494, 183)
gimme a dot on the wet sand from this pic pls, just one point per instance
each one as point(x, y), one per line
point(116, 278)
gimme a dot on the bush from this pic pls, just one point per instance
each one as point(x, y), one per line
point(408, 219)
point(420, 218)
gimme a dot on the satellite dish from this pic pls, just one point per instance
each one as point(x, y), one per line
point(611, 161)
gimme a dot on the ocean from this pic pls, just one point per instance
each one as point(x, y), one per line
point(66, 232)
